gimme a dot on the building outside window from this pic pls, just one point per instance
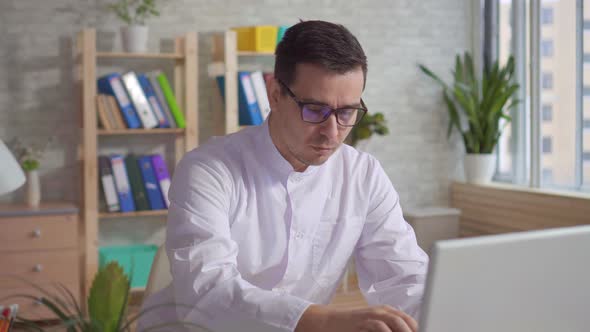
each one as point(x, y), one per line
point(547, 112)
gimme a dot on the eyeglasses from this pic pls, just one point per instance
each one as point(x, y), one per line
point(318, 112)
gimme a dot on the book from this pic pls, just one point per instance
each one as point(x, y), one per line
point(153, 77)
point(115, 111)
point(150, 94)
point(122, 185)
point(103, 119)
point(139, 100)
point(150, 183)
point(108, 184)
point(171, 100)
point(259, 86)
point(110, 113)
point(111, 85)
point(248, 111)
point(137, 187)
point(162, 176)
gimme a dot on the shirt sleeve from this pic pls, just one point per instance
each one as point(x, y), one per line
point(203, 259)
point(391, 267)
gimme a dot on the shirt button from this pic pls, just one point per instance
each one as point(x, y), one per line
point(299, 235)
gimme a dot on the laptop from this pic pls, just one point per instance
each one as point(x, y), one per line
point(536, 281)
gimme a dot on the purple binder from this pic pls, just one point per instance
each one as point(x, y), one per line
point(162, 176)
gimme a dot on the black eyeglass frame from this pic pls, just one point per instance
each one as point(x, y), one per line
point(301, 104)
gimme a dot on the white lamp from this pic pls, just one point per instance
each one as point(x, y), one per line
point(11, 174)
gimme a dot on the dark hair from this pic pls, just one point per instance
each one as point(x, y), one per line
point(323, 43)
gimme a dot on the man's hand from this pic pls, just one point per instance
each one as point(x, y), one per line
point(372, 319)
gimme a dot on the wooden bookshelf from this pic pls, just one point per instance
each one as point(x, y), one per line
point(149, 213)
point(124, 55)
point(185, 85)
point(225, 56)
point(248, 54)
point(154, 131)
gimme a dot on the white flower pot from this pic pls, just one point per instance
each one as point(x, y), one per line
point(134, 38)
point(33, 193)
point(479, 168)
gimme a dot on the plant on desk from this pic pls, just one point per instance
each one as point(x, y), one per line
point(370, 124)
point(107, 305)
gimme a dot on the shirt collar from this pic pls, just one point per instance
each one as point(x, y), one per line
point(276, 161)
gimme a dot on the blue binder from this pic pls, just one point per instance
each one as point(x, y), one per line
point(155, 103)
point(122, 183)
point(150, 182)
point(111, 85)
point(248, 110)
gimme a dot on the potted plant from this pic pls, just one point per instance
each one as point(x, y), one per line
point(481, 103)
point(106, 305)
point(134, 12)
point(370, 124)
point(29, 158)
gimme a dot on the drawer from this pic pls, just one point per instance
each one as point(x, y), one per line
point(39, 232)
point(32, 309)
point(39, 267)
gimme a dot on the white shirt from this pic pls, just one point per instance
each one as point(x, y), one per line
point(253, 243)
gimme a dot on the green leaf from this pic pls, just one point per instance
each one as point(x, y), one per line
point(108, 296)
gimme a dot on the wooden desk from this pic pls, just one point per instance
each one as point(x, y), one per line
point(39, 245)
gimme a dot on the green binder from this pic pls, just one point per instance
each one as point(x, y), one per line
point(171, 100)
point(136, 182)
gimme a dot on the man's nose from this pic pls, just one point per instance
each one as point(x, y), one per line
point(330, 127)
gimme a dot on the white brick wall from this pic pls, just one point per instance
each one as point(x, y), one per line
point(38, 92)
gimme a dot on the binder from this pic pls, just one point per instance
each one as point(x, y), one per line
point(108, 184)
point(111, 85)
point(261, 94)
point(122, 184)
point(248, 111)
point(153, 77)
point(150, 94)
point(162, 176)
point(150, 182)
point(113, 108)
point(142, 107)
point(171, 100)
point(137, 188)
point(103, 118)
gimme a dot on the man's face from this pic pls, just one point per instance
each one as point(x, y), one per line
point(302, 143)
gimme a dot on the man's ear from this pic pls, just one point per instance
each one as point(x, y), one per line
point(274, 92)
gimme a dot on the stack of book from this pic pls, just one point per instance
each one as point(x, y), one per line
point(131, 101)
point(134, 183)
point(253, 107)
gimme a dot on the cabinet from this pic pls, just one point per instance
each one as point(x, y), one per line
point(185, 83)
point(41, 246)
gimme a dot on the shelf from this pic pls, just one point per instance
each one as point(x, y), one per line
point(104, 132)
point(148, 213)
point(125, 55)
point(248, 53)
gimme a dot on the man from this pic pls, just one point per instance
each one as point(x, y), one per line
point(263, 222)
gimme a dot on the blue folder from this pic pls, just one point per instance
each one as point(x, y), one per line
point(150, 183)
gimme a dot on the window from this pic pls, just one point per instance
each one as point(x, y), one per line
point(558, 156)
point(547, 48)
point(547, 176)
point(546, 15)
point(547, 145)
point(547, 112)
point(547, 80)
